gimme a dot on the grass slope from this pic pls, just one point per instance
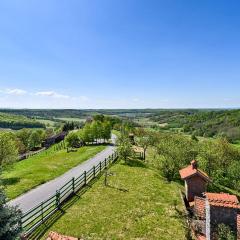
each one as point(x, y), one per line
point(43, 167)
point(137, 204)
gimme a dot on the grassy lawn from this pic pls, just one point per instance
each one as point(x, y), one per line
point(137, 204)
point(43, 167)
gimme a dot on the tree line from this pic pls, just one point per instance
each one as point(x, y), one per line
point(95, 132)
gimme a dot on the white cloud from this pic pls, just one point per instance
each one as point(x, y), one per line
point(51, 94)
point(14, 91)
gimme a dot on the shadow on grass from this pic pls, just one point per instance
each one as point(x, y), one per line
point(71, 200)
point(10, 181)
point(117, 188)
point(135, 163)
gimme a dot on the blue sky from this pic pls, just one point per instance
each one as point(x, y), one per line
point(119, 54)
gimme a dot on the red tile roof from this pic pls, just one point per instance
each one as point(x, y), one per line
point(199, 207)
point(223, 200)
point(192, 170)
point(56, 236)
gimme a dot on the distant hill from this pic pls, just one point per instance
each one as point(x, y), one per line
point(207, 123)
point(13, 121)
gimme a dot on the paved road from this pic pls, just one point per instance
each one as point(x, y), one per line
point(44, 191)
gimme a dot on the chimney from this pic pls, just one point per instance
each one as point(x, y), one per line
point(194, 164)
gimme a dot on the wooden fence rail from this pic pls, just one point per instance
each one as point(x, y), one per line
point(39, 214)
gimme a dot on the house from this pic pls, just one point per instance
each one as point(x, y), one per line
point(214, 209)
point(208, 210)
point(195, 181)
point(54, 139)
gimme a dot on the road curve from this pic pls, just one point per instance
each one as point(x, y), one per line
point(35, 196)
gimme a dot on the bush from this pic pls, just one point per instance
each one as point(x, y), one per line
point(73, 140)
point(10, 220)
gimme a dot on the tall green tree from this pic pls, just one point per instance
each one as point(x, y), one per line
point(174, 152)
point(35, 139)
point(124, 148)
point(145, 139)
point(8, 149)
point(106, 130)
point(23, 135)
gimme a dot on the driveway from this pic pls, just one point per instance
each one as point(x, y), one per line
point(35, 196)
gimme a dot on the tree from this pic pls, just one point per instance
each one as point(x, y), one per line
point(8, 149)
point(99, 117)
point(23, 136)
point(145, 139)
point(87, 133)
point(215, 157)
point(106, 130)
point(96, 128)
point(124, 148)
point(174, 151)
point(72, 140)
point(35, 139)
point(10, 220)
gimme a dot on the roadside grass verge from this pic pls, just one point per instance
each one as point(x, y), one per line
point(137, 204)
point(38, 169)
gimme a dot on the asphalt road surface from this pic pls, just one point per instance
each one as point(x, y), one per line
point(35, 196)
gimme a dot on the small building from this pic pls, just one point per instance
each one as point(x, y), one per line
point(54, 139)
point(214, 209)
point(195, 181)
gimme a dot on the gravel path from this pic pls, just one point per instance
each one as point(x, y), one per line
point(44, 191)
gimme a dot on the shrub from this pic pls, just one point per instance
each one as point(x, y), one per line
point(10, 220)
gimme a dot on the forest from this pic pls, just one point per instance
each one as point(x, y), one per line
point(205, 123)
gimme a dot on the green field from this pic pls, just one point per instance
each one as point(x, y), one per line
point(43, 167)
point(69, 119)
point(46, 122)
point(137, 204)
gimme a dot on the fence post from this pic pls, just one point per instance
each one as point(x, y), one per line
point(105, 161)
point(85, 177)
point(100, 166)
point(94, 172)
point(73, 184)
point(57, 199)
point(42, 211)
